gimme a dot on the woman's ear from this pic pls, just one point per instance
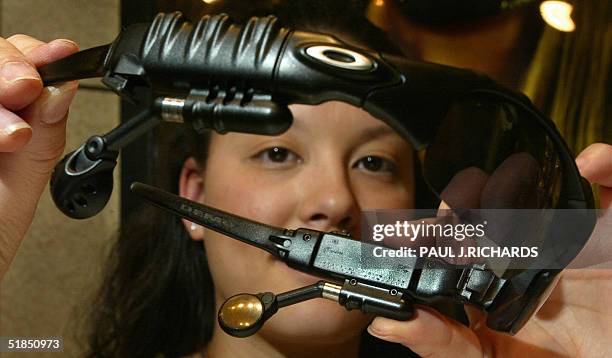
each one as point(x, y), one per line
point(191, 186)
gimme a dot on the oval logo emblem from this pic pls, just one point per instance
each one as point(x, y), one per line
point(340, 57)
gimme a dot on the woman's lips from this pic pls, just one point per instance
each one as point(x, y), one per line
point(300, 278)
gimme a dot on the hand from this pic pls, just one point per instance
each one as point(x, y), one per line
point(575, 321)
point(32, 133)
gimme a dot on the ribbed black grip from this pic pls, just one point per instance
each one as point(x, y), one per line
point(212, 51)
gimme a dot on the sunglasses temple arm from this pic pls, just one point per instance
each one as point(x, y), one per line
point(88, 63)
point(234, 226)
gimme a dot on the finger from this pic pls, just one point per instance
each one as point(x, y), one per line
point(20, 83)
point(605, 197)
point(24, 43)
point(595, 164)
point(47, 116)
point(41, 53)
point(14, 132)
point(52, 106)
point(25, 173)
point(429, 334)
point(476, 317)
point(514, 184)
point(464, 190)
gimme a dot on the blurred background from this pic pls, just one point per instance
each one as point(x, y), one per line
point(558, 55)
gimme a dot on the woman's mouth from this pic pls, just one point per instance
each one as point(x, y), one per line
point(300, 278)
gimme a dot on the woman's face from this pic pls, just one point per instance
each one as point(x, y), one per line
point(335, 161)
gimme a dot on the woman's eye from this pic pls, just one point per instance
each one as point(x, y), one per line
point(375, 164)
point(277, 155)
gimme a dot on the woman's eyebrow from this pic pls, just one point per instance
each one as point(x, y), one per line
point(373, 133)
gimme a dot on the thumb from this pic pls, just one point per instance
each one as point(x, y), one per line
point(429, 334)
point(595, 165)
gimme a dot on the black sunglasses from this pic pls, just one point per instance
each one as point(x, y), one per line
point(216, 75)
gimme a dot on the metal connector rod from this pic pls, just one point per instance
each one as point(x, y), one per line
point(172, 109)
point(126, 133)
point(300, 295)
point(331, 291)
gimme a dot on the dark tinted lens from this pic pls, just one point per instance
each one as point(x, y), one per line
point(488, 153)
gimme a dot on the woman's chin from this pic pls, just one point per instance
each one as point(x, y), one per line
point(290, 278)
point(322, 321)
point(319, 320)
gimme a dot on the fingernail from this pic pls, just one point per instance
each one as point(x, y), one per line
point(65, 41)
point(13, 129)
point(55, 102)
point(11, 124)
point(16, 71)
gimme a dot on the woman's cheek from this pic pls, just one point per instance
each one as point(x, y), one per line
point(265, 197)
point(235, 267)
point(377, 194)
point(268, 206)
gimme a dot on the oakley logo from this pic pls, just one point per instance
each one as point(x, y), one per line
point(340, 57)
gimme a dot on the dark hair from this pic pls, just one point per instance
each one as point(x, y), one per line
point(158, 294)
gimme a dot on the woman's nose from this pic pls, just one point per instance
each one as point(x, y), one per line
point(329, 202)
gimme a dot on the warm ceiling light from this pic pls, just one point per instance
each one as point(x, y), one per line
point(558, 15)
point(379, 2)
point(209, 1)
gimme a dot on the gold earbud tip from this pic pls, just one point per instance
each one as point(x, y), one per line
point(241, 311)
